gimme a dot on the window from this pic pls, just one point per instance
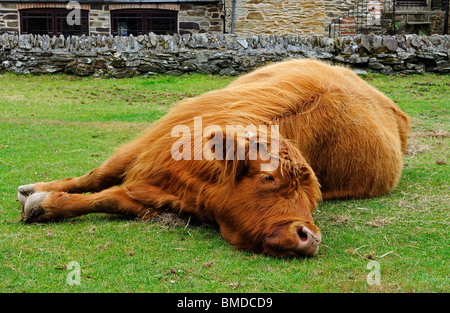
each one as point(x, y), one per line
point(127, 22)
point(52, 22)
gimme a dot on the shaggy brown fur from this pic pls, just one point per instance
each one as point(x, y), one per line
point(337, 133)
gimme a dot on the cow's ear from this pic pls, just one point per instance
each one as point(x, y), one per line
point(236, 155)
point(230, 151)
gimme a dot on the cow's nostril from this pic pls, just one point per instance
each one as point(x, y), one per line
point(303, 236)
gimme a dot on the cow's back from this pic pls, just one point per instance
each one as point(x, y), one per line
point(352, 135)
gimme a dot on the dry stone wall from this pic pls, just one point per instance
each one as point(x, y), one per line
point(216, 54)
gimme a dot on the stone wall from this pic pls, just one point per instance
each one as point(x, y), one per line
point(217, 54)
point(283, 17)
point(9, 18)
point(194, 19)
point(334, 8)
point(99, 20)
point(437, 23)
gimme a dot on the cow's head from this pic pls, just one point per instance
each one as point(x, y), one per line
point(264, 204)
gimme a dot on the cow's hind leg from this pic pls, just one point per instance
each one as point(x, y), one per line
point(47, 206)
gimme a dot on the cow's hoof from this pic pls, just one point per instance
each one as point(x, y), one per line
point(32, 211)
point(24, 192)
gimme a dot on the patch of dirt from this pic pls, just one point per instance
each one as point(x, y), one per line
point(337, 219)
point(423, 84)
point(379, 222)
point(413, 148)
point(170, 219)
point(432, 134)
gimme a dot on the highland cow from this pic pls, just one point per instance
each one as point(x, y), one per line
point(338, 138)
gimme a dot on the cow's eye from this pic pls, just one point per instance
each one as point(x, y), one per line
point(268, 178)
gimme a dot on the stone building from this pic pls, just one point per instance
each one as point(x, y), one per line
point(284, 17)
point(116, 17)
point(241, 17)
point(123, 17)
point(307, 17)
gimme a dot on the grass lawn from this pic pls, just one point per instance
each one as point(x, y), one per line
point(54, 127)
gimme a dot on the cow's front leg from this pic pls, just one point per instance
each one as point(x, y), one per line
point(47, 206)
point(96, 180)
point(110, 173)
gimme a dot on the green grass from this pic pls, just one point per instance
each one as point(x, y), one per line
point(53, 127)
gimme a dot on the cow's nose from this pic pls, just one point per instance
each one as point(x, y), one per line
point(307, 241)
point(294, 239)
